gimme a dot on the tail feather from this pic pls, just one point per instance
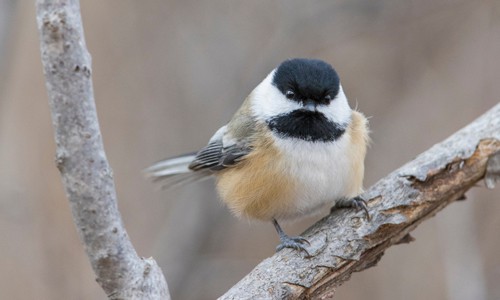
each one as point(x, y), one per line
point(176, 165)
point(175, 171)
point(181, 179)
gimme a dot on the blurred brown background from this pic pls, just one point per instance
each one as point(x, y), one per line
point(167, 74)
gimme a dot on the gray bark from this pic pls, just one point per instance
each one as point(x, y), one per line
point(342, 243)
point(80, 157)
point(345, 242)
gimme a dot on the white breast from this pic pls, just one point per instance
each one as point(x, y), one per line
point(321, 170)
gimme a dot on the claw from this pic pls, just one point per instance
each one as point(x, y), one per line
point(360, 203)
point(294, 242)
point(356, 203)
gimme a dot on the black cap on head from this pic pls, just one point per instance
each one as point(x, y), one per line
point(302, 79)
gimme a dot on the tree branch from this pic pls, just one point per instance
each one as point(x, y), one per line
point(80, 157)
point(344, 242)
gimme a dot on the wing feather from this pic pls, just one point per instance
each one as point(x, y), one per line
point(216, 156)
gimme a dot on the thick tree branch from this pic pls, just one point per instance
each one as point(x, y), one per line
point(344, 242)
point(80, 157)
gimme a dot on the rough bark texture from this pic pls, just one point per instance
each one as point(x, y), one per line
point(341, 243)
point(345, 242)
point(80, 157)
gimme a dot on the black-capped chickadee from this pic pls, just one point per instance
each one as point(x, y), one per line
point(293, 147)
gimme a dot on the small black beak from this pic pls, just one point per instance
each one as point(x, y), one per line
point(310, 105)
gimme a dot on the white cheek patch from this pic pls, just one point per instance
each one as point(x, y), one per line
point(268, 101)
point(338, 110)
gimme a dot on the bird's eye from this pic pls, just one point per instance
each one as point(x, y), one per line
point(289, 94)
point(328, 98)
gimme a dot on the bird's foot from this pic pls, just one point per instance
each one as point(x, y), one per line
point(295, 242)
point(356, 203)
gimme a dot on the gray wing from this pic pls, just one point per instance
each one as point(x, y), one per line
point(229, 145)
point(220, 153)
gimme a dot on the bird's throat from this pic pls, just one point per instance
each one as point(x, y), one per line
point(306, 125)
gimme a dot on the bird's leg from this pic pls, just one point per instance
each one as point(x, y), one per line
point(356, 202)
point(294, 242)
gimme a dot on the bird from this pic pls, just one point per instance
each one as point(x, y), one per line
point(294, 147)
